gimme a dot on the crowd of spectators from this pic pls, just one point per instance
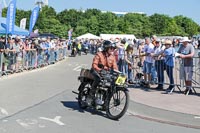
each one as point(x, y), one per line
point(18, 54)
point(154, 55)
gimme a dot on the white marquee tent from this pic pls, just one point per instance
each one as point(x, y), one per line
point(113, 36)
point(88, 36)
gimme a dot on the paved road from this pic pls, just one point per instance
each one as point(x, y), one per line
point(41, 101)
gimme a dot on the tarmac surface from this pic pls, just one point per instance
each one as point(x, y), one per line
point(154, 105)
point(175, 108)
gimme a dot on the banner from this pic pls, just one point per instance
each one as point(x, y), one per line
point(10, 19)
point(33, 19)
point(23, 23)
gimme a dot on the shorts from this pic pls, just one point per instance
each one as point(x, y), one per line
point(188, 73)
point(147, 67)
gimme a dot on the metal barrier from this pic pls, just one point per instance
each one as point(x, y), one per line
point(178, 74)
point(12, 61)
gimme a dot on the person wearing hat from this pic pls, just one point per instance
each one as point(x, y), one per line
point(186, 53)
point(103, 61)
point(159, 63)
point(169, 63)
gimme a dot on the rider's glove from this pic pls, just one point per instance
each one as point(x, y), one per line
point(103, 72)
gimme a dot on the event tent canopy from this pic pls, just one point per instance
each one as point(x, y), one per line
point(121, 36)
point(88, 36)
point(17, 30)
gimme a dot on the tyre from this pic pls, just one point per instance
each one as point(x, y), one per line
point(117, 104)
point(82, 95)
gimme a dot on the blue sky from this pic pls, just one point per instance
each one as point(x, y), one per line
point(188, 8)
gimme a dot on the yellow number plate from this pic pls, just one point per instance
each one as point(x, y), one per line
point(120, 80)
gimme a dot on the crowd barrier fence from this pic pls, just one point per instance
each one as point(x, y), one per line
point(12, 61)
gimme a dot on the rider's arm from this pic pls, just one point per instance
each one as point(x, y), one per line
point(95, 63)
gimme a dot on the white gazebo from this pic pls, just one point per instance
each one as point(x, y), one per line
point(88, 36)
point(121, 36)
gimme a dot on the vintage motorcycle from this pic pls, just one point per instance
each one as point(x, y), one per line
point(86, 50)
point(112, 93)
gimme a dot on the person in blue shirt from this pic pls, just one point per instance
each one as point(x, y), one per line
point(169, 63)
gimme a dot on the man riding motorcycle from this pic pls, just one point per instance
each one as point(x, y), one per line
point(102, 62)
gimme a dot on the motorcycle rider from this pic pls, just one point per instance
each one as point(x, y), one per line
point(102, 62)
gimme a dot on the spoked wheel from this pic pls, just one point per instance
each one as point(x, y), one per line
point(117, 104)
point(83, 93)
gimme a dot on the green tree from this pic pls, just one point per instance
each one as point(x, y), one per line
point(187, 25)
point(69, 17)
point(97, 22)
point(106, 24)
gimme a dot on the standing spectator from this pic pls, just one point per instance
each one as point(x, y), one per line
point(18, 53)
point(10, 54)
point(169, 63)
point(186, 51)
point(47, 51)
point(70, 37)
point(121, 52)
point(153, 70)
point(2, 48)
point(129, 61)
point(64, 44)
point(33, 55)
point(141, 51)
point(159, 63)
point(148, 62)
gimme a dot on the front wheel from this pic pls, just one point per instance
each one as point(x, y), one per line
point(117, 104)
point(82, 95)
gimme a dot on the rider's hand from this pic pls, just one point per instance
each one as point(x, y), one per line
point(103, 72)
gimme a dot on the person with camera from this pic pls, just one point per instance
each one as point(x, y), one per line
point(102, 62)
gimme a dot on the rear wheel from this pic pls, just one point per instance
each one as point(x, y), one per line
point(117, 104)
point(83, 93)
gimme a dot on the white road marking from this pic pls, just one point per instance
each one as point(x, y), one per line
point(42, 126)
point(23, 124)
point(5, 120)
point(27, 123)
point(56, 120)
point(78, 68)
point(3, 111)
point(197, 117)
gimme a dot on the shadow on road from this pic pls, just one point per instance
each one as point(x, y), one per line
point(74, 106)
